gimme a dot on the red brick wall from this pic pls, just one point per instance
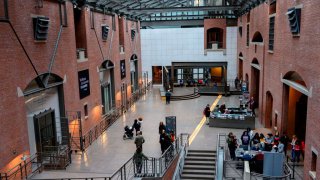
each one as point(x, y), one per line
point(290, 54)
point(16, 71)
point(215, 23)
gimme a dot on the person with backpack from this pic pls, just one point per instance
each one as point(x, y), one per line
point(206, 113)
point(136, 125)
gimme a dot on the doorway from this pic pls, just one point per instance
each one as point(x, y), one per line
point(45, 130)
point(255, 81)
point(157, 74)
point(295, 105)
point(240, 73)
point(269, 106)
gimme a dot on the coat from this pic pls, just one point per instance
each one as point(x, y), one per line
point(139, 141)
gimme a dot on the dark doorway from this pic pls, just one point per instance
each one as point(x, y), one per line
point(240, 72)
point(295, 105)
point(45, 130)
point(157, 74)
point(268, 114)
point(255, 82)
point(134, 73)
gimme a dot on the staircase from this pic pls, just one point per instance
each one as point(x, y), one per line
point(199, 164)
point(185, 97)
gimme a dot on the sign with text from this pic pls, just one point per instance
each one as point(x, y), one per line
point(84, 83)
point(171, 124)
point(123, 68)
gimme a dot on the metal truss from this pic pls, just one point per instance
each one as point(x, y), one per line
point(143, 10)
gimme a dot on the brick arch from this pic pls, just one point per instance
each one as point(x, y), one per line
point(294, 76)
point(257, 37)
point(43, 81)
point(255, 61)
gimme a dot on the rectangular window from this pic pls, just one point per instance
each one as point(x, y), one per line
point(63, 14)
point(133, 34)
point(294, 17)
point(4, 10)
point(271, 33)
point(85, 109)
point(41, 27)
point(248, 17)
point(240, 31)
point(105, 31)
point(126, 25)
point(91, 19)
point(113, 23)
point(272, 7)
point(248, 33)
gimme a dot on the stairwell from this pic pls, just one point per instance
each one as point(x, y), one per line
point(199, 164)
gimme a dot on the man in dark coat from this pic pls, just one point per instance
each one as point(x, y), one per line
point(168, 97)
point(207, 112)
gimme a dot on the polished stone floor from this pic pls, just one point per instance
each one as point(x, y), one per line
point(110, 151)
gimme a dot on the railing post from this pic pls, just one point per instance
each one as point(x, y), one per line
point(124, 169)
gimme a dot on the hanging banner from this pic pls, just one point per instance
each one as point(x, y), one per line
point(123, 68)
point(84, 83)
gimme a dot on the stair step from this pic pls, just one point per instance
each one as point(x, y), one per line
point(200, 158)
point(198, 171)
point(204, 167)
point(201, 154)
point(197, 176)
point(201, 151)
point(201, 163)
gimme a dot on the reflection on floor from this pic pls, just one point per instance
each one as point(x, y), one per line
point(110, 151)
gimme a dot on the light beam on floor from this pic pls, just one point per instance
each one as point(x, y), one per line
point(203, 120)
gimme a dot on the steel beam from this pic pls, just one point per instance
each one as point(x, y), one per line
point(176, 9)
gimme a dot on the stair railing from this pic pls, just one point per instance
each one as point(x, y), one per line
point(151, 167)
point(183, 153)
point(221, 147)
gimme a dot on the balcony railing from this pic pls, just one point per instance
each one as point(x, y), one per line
point(214, 45)
point(112, 116)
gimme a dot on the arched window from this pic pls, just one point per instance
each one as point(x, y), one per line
point(215, 38)
point(257, 37)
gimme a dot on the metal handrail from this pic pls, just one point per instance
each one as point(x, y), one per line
point(24, 170)
point(152, 167)
point(183, 153)
point(221, 147)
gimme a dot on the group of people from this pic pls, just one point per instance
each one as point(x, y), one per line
point(260, 142)
point(138, 156)
point(166, 139)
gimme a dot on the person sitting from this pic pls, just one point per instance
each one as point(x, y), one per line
point(181, 83)
point(222, 108)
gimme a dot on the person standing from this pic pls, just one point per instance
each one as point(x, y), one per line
point(285, 140)
point(139, 140)
point(252, 106)
point(138, 159)
point(162, 127)
point(281, 147)
point(236, 82)
point(232, 145)
point(136, 125)
point(168, 97)
point(293, 143)
point(206, 113)
point(162, 141)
